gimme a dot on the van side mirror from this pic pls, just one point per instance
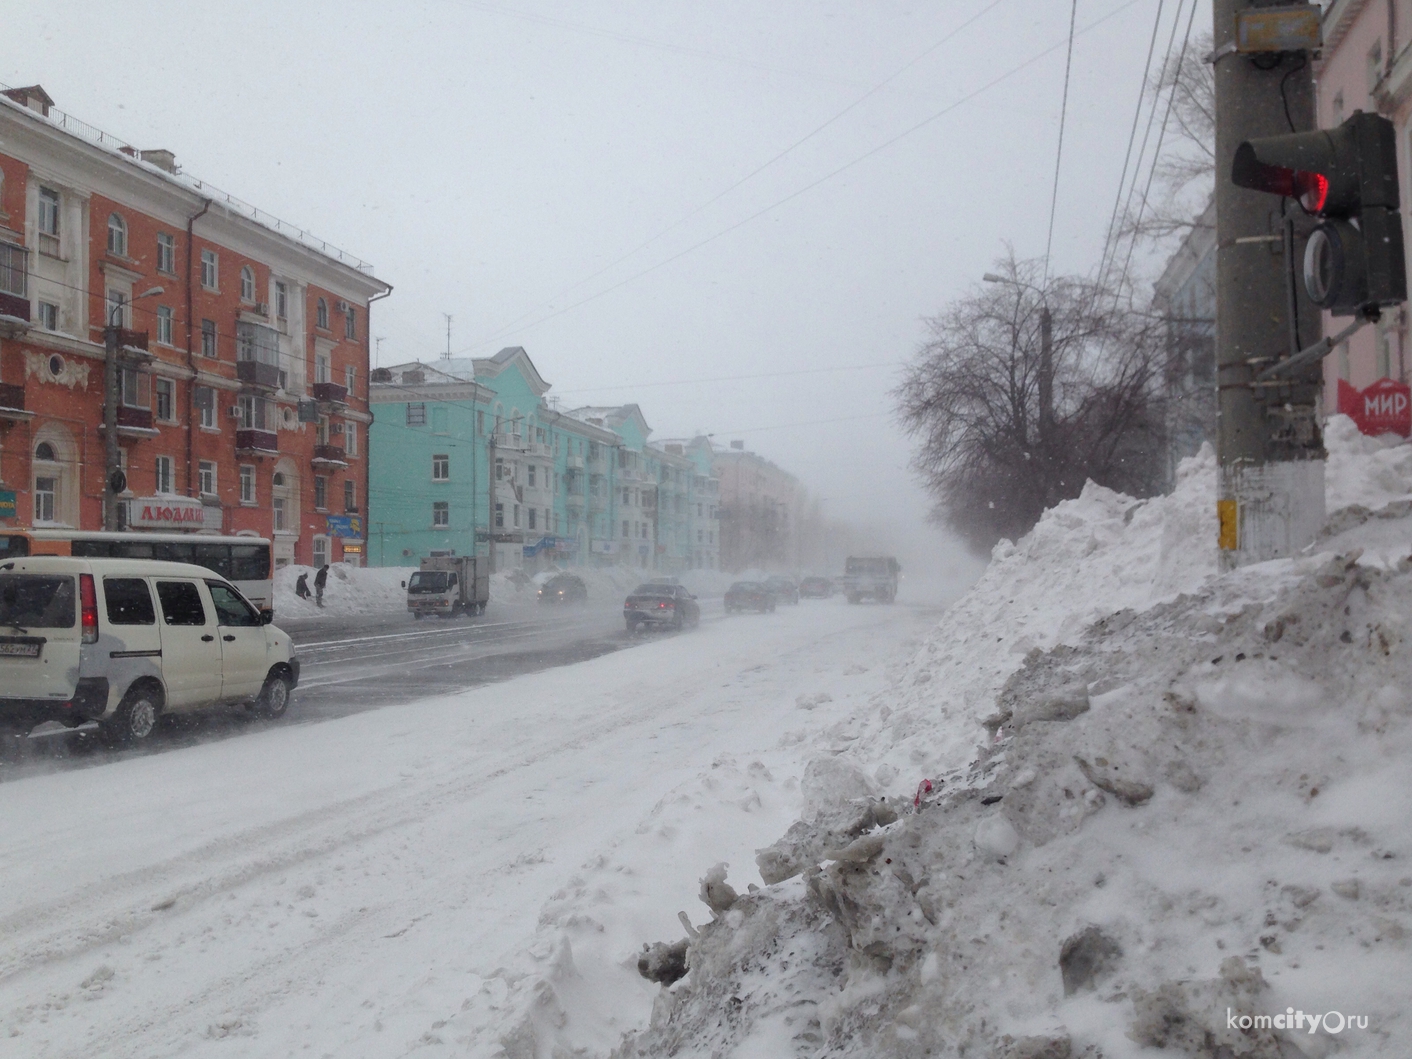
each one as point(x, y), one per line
point(267, 616)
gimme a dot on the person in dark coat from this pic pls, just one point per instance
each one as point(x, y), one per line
point(301, 586)
point(320, 579)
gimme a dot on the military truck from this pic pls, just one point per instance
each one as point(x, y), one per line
point(870, 577)
point(448, 585)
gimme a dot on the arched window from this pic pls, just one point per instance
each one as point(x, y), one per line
point(52, 482)
point(350, 323)
point(322, 314)
point(117, 235)
point(44, 451)
point(247, 284)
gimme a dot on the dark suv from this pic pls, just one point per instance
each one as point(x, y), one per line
point(564, 588)
point(749, 595)
point(785, 590)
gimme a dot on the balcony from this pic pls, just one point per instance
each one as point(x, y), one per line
point(257, 374)
point(132, 346)
point(329, 455)
point(257, 442)
point(14, 314)
point(508, 441)
point(329, 393)
point(12, 403)
point(574, 463)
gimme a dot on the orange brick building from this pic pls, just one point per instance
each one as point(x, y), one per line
point(243, 381)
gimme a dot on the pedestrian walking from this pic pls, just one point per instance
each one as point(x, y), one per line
point(320, 579)
point(301, 586)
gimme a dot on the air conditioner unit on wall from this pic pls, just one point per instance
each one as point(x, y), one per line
point(342, 307)
point(234, 411)
point(262, 308)
point(335, 428)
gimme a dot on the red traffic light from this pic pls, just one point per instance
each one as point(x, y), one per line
point(1311, 189)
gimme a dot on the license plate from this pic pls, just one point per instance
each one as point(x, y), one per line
point(19, 650)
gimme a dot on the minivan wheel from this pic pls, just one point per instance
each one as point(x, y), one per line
point(134, 719)
point(274, 697)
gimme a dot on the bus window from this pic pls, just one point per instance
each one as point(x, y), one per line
point(249, 562)
point(15, 547)
point(215, 557)
point(92, 549)
point(173, 552)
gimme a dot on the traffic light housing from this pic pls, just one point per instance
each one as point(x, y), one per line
point(1347, 177)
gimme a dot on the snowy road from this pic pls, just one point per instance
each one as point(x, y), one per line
point(432, 877)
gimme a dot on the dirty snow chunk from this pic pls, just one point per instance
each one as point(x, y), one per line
point(717, 894)
point(860, 850)
point(1191, 1018)
point(663, 962)
point(997, 837)
point(829, 784)
point(1034, 1048)
point(1086, 957)
point(1129, 792)
point(98, 978)
point(808, 702)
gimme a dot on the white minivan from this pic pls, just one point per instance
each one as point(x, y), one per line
point(122, 641)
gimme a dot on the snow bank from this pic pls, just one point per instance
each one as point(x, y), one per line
point(1156, 799)
point(350, 590)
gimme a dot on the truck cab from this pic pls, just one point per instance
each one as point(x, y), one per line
point(449, 586)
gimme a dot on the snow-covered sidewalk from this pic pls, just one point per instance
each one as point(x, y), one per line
point(465, 875)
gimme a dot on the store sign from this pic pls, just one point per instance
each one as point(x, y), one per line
point(352, 549)
point(166, 512)
point(603, 547)
point(8, 506)
point(345, 526)
point(1383, 408)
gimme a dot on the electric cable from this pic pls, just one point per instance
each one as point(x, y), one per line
point(1059, 151)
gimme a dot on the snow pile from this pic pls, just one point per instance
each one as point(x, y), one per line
point(1364, 472)
point(1189, 813)
point(350, 590)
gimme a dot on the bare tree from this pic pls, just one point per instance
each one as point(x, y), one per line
point(1005, 431)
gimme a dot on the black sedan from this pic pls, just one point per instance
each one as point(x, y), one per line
point(662, 605)
point(816, 588)
point(563, 588)
point(785, 590)
point(749, 595)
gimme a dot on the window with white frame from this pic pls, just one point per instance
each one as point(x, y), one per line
point(499, 516)
point(48, 222)
point(164, 475)
point(117, 308)
point(441, 513)
point(321, 373)
point(46, 493)
point(281, 299)
point(165, 393)
point(320, 492)
point(350, 323)
point(208, 338)
point(206, 476)
point(117, 235)
point(206, 405)
point(134, 388)
point(321, 314)
point(166, 253)
point(321, 549)
point(529, 480)
point(280, 512)
point(210, 270)
point(247, 284)
point(247, 483)
point(533, 513)
point(166, 318)
point(48, 316)
point(416, 414)
point(350, 376)
point(350, 438)
point(441, 468)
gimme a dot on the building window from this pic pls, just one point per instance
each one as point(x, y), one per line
point(321, 367)
point(165, 319)
point(166, 253)
point(247, 483)
point(441, 468)
point(247, 284)
point(625, 528)
point(499, 516)
point(166, 400)
point(206, 405)
point(350, 323)
point(208, 338)
point(164, 474)
point(49, 316)
point(517, 516)
point(440, 514)
point(320, 551)
point(117, 235)
point(321, 314)
point(350, 439)
point(277, 507)
point(281, 299)
point(117, 309)
point(206, 476)
point(46, 490)
point(417, 414)
point(350, 376)
point(350, 495)
point(530, 479)
point(49, 222)
point(134, 388)
point(210, 270)
point(532, 512)
point(320, 492)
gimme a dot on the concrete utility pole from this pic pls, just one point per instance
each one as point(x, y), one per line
point(1270, 491)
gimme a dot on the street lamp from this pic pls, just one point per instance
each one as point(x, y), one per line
point(1046, 355)
point(114, 481)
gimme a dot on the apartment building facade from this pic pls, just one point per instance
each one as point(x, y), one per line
point(761, 508)
point(242, 396)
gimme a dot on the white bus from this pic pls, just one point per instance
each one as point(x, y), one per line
point(246, 562)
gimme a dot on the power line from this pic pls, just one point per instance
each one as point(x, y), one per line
point(836, 172)
point(1059, 151)
point(1132, 138)
point(734, 378)
point(507, 328)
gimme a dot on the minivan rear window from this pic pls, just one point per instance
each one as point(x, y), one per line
point(129, 601)
point(37, 601)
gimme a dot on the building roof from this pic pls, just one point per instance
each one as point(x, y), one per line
point(489, 367)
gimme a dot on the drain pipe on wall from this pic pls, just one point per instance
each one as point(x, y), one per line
point(191, 410)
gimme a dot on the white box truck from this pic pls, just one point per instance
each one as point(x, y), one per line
point(448, 585)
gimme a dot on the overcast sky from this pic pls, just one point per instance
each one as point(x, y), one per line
point(580, 178)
